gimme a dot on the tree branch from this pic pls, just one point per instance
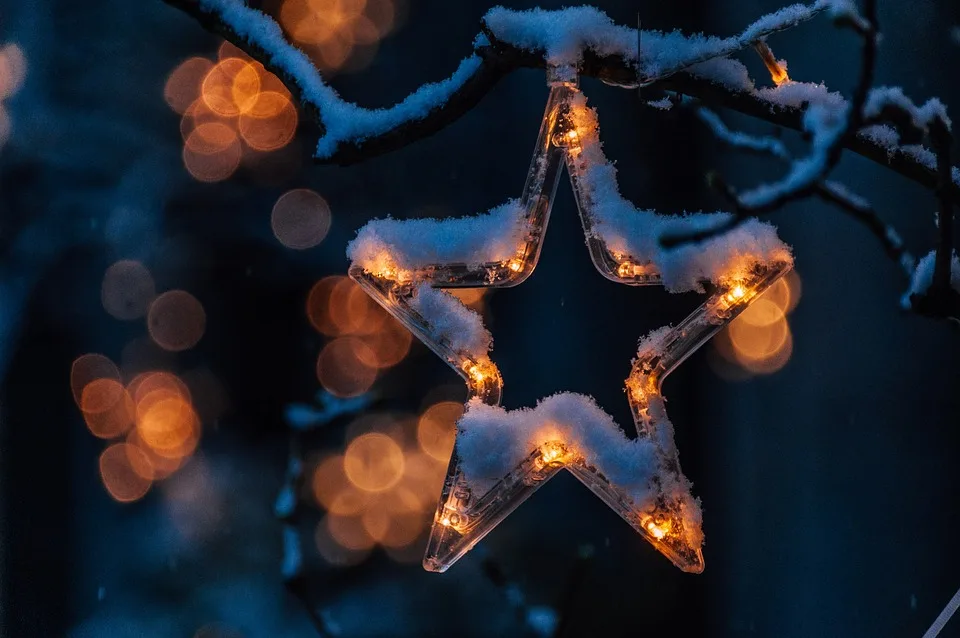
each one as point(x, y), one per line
point(941, 140)
point(494, 59)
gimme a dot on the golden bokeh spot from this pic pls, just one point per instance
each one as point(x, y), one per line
point(349, 532)
point(318, 304)
point(218, 86)
point(436, 429)
point(167, 424)
point(373, 462)
point(184, 83)
point(332, 551)
point(107, 407)
point(761, 313)
point(117, 473)
point(753, 342)
point(269, 132)
point(87, 368)
point(341, 369)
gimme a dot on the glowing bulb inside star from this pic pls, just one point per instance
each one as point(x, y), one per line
point(625, 269)
point(516, 265)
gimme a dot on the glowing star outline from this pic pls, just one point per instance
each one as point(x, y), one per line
point(668, 517)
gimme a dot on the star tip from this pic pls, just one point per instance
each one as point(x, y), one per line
point(433, 564)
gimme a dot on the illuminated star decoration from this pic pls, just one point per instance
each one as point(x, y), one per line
point(501, 458)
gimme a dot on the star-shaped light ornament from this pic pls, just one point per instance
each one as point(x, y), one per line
point(501, 457)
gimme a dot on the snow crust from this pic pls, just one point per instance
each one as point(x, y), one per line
point(564, 35)
point(451, 321)
point(343, 121)
point(413, 243)
point(491, 441)
point(636, 232)
point(923, 277)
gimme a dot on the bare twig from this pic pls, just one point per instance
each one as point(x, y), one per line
point(941, 140)
point(497, 59)
point(860, 210)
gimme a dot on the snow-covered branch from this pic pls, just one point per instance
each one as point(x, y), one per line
point(511, 40)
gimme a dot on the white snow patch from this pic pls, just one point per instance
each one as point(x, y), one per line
point(415, 243)
point(452, 322)
point(923, 277)
point(492, 441)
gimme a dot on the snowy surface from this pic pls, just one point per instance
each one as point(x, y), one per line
point(923, 277)
point(452, 322)
point(492, 441)
point(738, 139)
point(563, 36)
point(635, 232)
point(343, 121)
point(922, 116)
point(413, 243)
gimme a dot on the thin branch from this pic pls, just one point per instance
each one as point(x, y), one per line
point(860, 210)
point(495, 59)
point(803, 180)
point(941, 140)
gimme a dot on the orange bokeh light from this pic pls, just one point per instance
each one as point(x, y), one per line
point(147, 383)
point(211, 167)
point(184, 82)
point(437, 429)
point(300, 219)
point(318, 305)
point(341, 369)
point(176, 320)
point(119, 477)
point(388, 345)
point(332, 551)
point(167, 424)
point(231, 87)
point(349, 532)
point(270, 123)
point(373, 462)
point(333, 490)
point(353, 311)
point(107, 407)
point(338, 33)
point(87, 368)
point(761, 335)
point(127, 289)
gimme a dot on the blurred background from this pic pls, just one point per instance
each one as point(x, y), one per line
point(169, 254)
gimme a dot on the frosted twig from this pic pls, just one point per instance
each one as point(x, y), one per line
point(350, 133)
point(829, 128)
point(829, 191)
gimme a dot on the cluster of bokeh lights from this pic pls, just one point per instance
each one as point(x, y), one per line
point(339, 35)
point(759, 341)
point(231, 108)
point(381, 491)
point(364, 339)
point(148, 416)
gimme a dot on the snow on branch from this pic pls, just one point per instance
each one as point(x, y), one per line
point(511, 40)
